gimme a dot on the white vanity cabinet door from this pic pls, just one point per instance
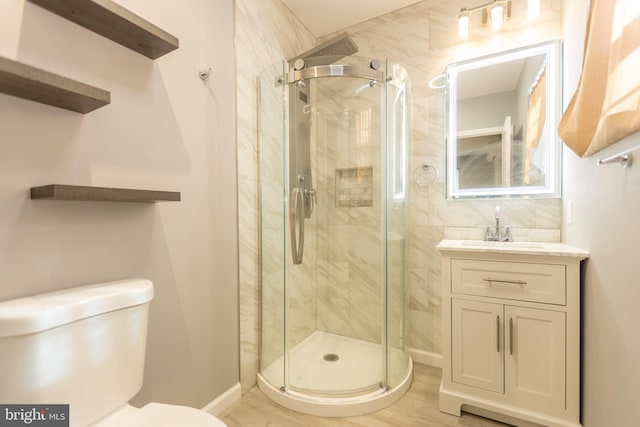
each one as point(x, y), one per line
point(507, 349)
point(535, 353)
point(476, 344)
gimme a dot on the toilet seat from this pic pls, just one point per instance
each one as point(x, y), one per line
point(159, 415)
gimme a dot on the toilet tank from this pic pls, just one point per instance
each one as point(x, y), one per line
point(82, 346)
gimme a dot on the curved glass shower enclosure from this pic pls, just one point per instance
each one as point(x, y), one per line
point(334, 198)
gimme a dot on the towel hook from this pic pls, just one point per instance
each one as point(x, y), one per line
point(425, 182)
point(205, 73)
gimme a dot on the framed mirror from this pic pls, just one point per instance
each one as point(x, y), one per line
point(502, 114)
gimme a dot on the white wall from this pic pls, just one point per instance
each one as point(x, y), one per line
point(606, 207)
point(164, 129)
point(486, 111)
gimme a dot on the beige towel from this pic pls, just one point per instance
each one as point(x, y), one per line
point(606, 105)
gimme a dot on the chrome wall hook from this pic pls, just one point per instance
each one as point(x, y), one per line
point(204, 74)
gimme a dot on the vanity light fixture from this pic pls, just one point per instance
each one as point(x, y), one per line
point(533, 9)
point(494, 13)
point(463, 23)
point(497, 16)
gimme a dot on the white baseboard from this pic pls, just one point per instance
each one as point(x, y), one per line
point(426, 357)
point(225, 400)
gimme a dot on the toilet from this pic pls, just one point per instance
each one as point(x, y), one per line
point(85, 347)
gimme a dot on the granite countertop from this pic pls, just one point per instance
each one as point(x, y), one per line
point(524, 248)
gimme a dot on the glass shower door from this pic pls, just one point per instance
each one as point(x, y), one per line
point(272, 101)
point(335, 296)
point(333, 193)
point(301, 262)
point(397, 155)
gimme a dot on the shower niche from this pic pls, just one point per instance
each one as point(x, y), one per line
point(333, 196)
point(354, 187)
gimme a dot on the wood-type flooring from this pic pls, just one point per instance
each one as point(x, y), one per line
point(417, 408)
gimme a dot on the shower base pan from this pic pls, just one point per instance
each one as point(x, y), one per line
point(334, 376)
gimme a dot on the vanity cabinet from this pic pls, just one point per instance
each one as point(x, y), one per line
point(509, 349)
point(511, 331)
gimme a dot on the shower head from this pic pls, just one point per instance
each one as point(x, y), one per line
point(342, 45)
point(328, 52)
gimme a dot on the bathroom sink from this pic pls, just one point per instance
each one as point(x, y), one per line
point(532, 248)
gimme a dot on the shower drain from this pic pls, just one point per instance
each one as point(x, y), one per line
point(330, 357)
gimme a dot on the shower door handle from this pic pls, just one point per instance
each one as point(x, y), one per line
point(296, 217)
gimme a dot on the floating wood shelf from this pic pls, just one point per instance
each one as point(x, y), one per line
point(102, 194)
point(114, 22)
point(25, 81)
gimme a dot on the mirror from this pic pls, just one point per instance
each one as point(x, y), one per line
point(502, 115)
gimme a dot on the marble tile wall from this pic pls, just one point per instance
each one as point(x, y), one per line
point(283, 283)
point(350, 245)
point(423, 38)
point(266, 33)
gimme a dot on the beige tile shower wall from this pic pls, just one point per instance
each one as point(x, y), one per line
point(423, 38)
point(272, 210)
point(276, 265)
point(350, 245)
point(266, 32)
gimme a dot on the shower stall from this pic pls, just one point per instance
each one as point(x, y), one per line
point(333, 228)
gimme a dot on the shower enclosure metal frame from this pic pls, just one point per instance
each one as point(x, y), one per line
point(291, 132)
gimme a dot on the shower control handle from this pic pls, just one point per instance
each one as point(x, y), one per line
point(296, 224)
point(312, 195)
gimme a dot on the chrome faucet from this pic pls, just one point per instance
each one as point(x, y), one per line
point(496, 234)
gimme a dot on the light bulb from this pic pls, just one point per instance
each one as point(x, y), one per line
point(533, 10)
point(463, 25)
point(497, 16)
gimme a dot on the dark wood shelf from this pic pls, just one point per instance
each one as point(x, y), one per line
point(102, 194)
point(114, 22)
point(25, 81)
